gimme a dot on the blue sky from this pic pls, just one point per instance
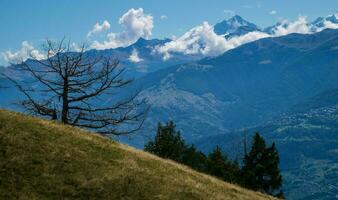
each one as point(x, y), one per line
point(35, 20)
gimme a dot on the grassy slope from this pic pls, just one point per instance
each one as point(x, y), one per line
point(40, 159)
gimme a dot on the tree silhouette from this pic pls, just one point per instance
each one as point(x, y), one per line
point(260, 170)
point(80, 90)
point(167, 142)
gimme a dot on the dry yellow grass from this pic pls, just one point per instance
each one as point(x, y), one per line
point(40, 159)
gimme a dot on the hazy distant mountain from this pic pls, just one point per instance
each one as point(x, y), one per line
point(272, 29)
point(284, 87)
point(141, 57)
point(242, 87)
point(320, 22)
point(245, 86)
point(307, 142)
point(234, 26)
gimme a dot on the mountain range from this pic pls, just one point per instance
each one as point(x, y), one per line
point(285, 87)
point(141, 57)
point(229, 92)
point(235, 26)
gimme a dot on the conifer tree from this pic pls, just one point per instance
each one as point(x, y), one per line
point(271, 164)
point(220, 166)
point(260, 171)
point(167, 143)
point(194, 158)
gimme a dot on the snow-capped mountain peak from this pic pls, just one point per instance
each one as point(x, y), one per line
point(238, 21)
point(236, 25)
point(330, 21)
point(319, 22)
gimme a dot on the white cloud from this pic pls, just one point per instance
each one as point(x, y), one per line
point(134, 57)
point(78, 47)
point(299, 26)
point(243, 39)
point(203, 40)
point(273, 12)
point(135, 23)
point(98, 28)
point(27, 51)
point(328, 24)
point(163, 17)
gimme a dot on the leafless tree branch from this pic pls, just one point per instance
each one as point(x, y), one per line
point(72, 85)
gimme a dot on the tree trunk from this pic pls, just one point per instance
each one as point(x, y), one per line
point(65, 106)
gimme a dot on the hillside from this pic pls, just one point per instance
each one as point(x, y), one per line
point(217, 95)
point(40, 159)
point(307, 142)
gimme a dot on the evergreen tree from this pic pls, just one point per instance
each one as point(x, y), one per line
point(194, 158)
point(167, 143)
point(271, 164)
point(220, 166)
point(260, 168)
point(260, 171)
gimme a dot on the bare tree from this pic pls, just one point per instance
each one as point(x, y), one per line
point(81, 91)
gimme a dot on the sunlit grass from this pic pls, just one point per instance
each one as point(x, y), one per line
point(41, 159)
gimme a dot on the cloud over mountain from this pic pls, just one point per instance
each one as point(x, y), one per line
point(98, 28)
point(135, 23)
point(298, 26)
point(199, 40)
point(27, 50)
point(134, 57)
point(329, 24)
point(203, 40)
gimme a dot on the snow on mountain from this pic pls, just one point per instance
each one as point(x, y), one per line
point(250, 86)
point(210, 41)
point(321, 23)
point(235, 26)
point(301, 25)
